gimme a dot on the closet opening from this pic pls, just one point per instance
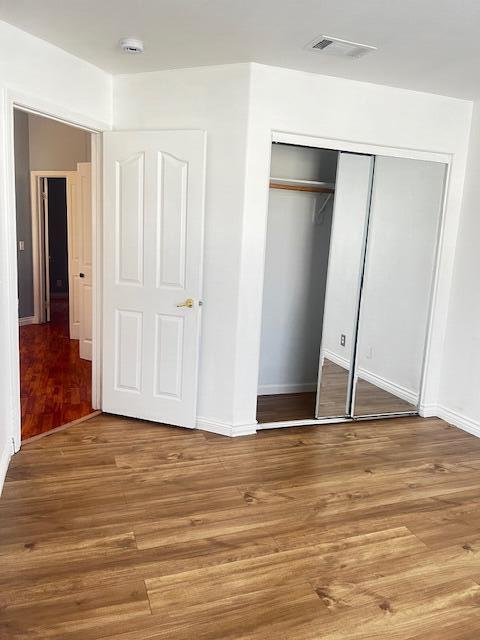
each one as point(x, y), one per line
point(299, 224)
point(350, 264)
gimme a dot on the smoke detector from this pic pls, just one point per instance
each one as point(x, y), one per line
point(336, 47)
point(131, 45)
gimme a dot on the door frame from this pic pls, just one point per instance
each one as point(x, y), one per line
point(14, 99)
point(38, 238)
point(375, 150)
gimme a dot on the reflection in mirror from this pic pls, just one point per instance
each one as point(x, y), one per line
point(352, 195)
point(400, 257)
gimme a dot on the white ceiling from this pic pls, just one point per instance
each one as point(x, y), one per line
point(427, 45)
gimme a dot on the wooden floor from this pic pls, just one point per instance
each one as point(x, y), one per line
point(121, 530)
point(55, 383)
point(369, 399)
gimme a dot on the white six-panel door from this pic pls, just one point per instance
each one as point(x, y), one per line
point(153, 250)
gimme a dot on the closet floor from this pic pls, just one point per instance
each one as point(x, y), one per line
point(286, 406)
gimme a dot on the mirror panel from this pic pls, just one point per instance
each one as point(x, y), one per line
point(401, 248)
point(347, 244)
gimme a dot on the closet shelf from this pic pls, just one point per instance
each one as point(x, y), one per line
point(302, 185)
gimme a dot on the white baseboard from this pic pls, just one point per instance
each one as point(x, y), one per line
point(387, 385)
point(273, 389)
point(452, 417)
point(4, 462)
point(382, 383)
point(226, 429)
point(336, 359)
point(27, 320)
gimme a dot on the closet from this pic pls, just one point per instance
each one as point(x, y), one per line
point(349, 270)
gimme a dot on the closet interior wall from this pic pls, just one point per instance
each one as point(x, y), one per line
point(297, 247)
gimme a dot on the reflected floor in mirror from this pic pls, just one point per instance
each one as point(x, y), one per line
point(301, 406)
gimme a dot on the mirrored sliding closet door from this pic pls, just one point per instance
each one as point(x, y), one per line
point(350, 214)
point(397, 285)
point(349, 273)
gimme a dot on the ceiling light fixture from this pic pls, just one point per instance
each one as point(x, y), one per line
point(131, 45)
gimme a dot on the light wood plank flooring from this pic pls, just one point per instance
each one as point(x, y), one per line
point(120, 529)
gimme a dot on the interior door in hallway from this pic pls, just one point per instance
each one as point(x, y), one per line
point(84, 235)
point(153, 249)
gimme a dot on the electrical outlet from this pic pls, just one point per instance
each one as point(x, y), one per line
point(21, 245)
point(343, 340)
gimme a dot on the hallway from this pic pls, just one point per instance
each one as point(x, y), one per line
point(56, 384)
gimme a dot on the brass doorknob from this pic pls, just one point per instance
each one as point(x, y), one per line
point(188, 303)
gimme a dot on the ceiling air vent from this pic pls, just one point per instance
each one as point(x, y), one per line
point(337, 47)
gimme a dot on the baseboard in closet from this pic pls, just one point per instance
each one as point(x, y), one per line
point(274, 389)
point(378, 381)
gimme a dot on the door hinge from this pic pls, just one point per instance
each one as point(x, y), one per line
point(44, 195)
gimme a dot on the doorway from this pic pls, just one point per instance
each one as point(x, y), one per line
point(54, 263)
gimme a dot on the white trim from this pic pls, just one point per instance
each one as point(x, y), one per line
point(359, 147)
point(4, 462)
point(387, 385)
point(27, 320)
point(377, 150)
point(226, 429)
point(309, 422)
point(8, 252)
point(382, 383)
point(453, 418)
point(38, 240)
point(97, 267)
point(336, 359)
point(274, 389)
point(46, 109)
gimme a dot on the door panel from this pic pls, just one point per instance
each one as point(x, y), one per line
point(153, 231)
point(46, 250)
point(84, 240)
point(347, 243)
point(399, 267)
point(74, 245)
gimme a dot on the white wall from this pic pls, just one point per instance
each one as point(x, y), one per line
point(313, 105)
point(294, 292)
point(23, 215)
point(459, 399)
point(298, 239)
point(214, 99)
point(229, 101)
point(51, 80)
point(55, 146)
point(302, 163)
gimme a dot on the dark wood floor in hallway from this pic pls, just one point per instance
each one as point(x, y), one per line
point(123, 530)
point(55, 383)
